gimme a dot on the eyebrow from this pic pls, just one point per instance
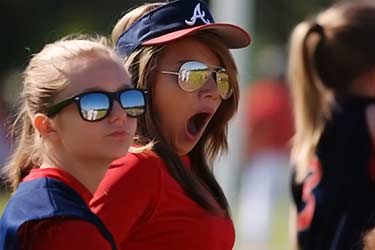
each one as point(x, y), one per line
point(93, 89)
point(191, 60)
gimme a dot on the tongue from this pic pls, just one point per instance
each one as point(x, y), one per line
point(192, 128)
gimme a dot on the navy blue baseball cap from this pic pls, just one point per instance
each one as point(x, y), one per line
point(175, 20)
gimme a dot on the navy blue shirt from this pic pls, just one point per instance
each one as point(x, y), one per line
point(40, 199)
point(342, 189)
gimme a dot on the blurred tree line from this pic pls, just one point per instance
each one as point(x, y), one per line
point(273, 23)
point(274, 19)
point(27, 25)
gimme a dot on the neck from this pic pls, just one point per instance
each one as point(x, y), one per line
point(89, 172)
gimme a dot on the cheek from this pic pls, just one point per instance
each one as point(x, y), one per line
point(68, 121)
point(164, 93)
point(167, 95)
point(168, 103)
point(73, 129)
point(79, 130)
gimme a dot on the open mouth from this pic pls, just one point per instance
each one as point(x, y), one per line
point(197, 123)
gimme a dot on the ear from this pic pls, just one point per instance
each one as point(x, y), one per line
point(44, 125)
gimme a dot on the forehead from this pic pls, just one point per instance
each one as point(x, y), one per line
point(189, 49)
point(98, 73)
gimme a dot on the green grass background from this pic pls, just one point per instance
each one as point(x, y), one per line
point(3, 200)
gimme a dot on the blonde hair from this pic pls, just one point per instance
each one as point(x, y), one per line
point(326, 55)
point(43, 80)
point(142, 65)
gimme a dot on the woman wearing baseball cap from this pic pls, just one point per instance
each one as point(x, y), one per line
point(167, 197)
point(77, 114)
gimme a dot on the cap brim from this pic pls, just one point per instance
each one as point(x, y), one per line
point(233, 36)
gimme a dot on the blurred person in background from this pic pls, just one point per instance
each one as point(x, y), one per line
point(167, 197)
point(263, 202)
point(77, 114)
point(332, 76)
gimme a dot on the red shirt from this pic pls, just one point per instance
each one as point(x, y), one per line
point(145, 208)
point(61, 233)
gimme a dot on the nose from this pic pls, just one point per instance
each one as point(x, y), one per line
point(117, 113)
point(209, 90)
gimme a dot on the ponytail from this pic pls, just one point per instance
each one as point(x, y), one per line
point(312, 100)
point(24, 155)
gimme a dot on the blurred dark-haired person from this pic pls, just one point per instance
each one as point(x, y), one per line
point(332, 76)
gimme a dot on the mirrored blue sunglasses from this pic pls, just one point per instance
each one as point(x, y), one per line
point(96, 105)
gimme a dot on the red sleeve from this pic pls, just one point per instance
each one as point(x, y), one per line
point(129, 193)
point(61, 234)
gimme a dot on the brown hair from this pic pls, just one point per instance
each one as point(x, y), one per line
point(141, 65)
point(326, 55)
point(43, 80)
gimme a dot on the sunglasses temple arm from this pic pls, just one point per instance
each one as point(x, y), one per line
point(53, 110)
point(169, 72)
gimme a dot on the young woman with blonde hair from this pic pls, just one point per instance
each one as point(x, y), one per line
point(332, 76)
point(167, 197)
point(77, 114)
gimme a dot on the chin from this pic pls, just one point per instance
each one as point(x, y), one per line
point(117, 150)
point(115, 155)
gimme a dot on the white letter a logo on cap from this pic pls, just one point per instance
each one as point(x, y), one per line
point(197, 14)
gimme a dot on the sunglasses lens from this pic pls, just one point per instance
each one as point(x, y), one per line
point(223, 84)
point(193, 75)
point(133, 101)
point(94, 106)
